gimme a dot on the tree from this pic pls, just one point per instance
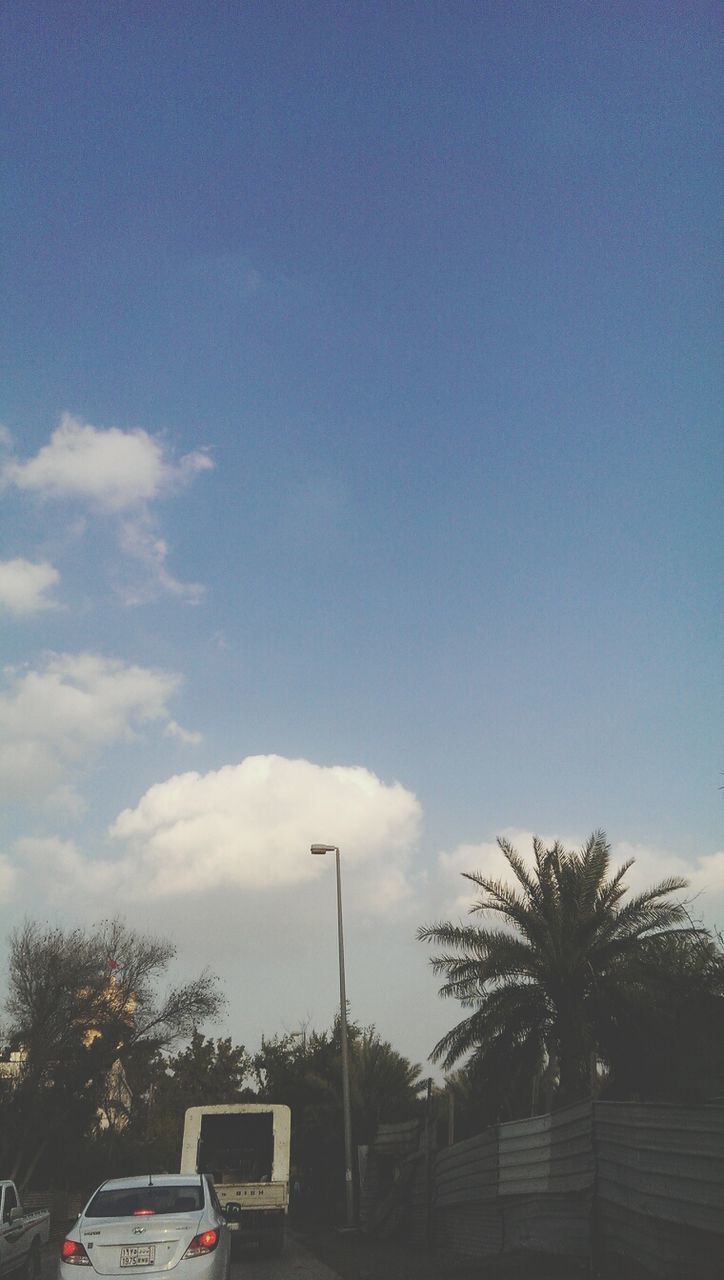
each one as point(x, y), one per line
point(492, 1088)
point(664, 1037)
point(305, 1071)
point(571, 963)
point(207, 1071)
point(384, 1084)
point(80, 1001)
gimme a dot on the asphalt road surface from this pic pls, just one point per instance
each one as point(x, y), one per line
point(296, 1263)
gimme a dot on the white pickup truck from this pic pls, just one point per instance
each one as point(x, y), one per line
point(244, 1146)
point(22, 1235)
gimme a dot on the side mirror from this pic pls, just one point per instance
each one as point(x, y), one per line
point(16, 1214)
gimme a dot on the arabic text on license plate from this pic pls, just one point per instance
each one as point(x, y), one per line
point(140, 1255)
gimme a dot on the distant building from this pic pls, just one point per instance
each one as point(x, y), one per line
point(115, 1110)
point(10, 1069)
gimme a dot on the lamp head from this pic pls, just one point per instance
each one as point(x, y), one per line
point(324, 848)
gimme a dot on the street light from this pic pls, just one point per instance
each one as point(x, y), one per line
point(349, 1186)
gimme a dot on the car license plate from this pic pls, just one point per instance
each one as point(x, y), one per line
point(140, 1255)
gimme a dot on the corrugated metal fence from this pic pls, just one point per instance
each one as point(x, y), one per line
point(545, 1181)
point(525, 1185)
point(467, 1217)
point(602, 1181)
point(660, 1190)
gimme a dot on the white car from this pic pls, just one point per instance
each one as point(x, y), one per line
point(160, 1222)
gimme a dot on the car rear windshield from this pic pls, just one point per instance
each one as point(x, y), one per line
point(130, 1202)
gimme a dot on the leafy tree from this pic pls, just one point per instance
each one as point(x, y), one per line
point(206, 1071)
point(79, 1001)
point(305, 1071)
point(663, 1038)
point(492, 1088)
point(557, 986)
point(384, 1084)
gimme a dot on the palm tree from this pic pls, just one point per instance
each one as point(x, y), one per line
point(544, 990)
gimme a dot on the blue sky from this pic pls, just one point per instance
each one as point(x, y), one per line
point(360, 461)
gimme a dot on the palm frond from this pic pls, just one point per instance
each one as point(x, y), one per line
point(446, 934)
point(612, 890)
point(506, 902)
point(591, 869)
point(648, 911)
point(519, 869)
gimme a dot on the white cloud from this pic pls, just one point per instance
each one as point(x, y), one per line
point(65, 802)
point(249, 826)
point(57, 717)
point(189, 737)
point(111, 468)
point(63, 856)
point(23, 585)
point(705, 875)
point(60, 866)
point(120, 474)
point(708, 874)
point(140, 539)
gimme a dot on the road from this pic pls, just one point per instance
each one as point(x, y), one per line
point(296, 1263)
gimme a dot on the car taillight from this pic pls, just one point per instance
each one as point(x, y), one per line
point(73, 1251)
point(142, 1213)
point(205, 1243)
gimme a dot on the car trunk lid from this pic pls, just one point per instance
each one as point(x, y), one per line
point(153, 1242)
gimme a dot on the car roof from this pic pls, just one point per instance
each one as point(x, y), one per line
point(152, 1180)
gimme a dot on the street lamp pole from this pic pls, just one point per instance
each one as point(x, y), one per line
point(346, 1103)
